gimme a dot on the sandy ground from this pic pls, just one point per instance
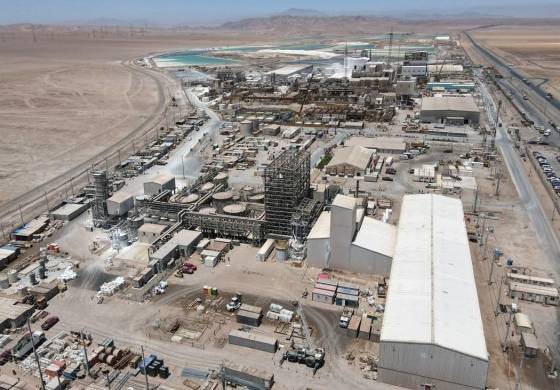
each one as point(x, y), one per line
point(534, 50)
point(66, 98)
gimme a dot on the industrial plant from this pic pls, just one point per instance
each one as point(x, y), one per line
point(332, 222)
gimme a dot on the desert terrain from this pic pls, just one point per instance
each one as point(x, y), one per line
point(68, 98)
point(532, 49)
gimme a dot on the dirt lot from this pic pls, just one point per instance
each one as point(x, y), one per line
point(534, 50)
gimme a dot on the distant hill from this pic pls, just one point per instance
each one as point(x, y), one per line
point(301, 12)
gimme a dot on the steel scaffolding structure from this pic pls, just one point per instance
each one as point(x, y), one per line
point(286, 183)
point(100, 194)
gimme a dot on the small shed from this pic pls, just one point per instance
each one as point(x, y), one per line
point(252, 340)
point(354, 326)
point(522, 323)
point(346, 300)
point(323, 296)
point(365, 328)
point(248, 317)
point(159, 184)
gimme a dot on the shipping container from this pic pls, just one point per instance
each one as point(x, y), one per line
point(254, 341)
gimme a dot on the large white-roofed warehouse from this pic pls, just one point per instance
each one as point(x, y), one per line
point(458, 110)
point(432, 330)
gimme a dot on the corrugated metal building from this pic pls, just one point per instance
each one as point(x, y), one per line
point(432, 329)
point(120, 203)
point(158, 184)
point(451, 109)
point(352, 160)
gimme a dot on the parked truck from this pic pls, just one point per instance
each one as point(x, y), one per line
point(25, 345)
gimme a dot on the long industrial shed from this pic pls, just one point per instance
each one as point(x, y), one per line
point(432, 334)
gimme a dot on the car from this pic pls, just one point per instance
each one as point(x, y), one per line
point(387, 178)
point(5, 357)
point(190, 265)
point(235, 303)
point(49, 323)
point(448, 151)
point(188, 271)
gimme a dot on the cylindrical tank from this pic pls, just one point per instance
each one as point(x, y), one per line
point(191, 198)
point(12, 276)
point(246, 127)
point(281, 251)
point(221, 178)
point(140, 200)
point(117, 353)
point(136, 222)
point(207, 187)
point(236, 209)
point(102, 357)
point(207, 210)
point(109, 350)
point(111, 360)
point(221, 199)
point(259, 198)
point(33, 279)
point(4, 283)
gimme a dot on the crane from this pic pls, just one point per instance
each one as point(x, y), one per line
point(306, 354)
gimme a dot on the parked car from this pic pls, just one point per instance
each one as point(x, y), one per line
point(5, 357)
point(387, 178)
point(49, 323)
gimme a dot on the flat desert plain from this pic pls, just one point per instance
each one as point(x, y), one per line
point(534, 50)
point(67, 97)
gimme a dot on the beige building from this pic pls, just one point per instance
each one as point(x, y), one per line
point(349, 161)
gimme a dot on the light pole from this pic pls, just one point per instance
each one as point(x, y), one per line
point(183, 164)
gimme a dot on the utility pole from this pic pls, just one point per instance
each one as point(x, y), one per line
point(145, 368)
point(497, 310)
point(506, 338)
point(498, 178)
point(475, 199)
point(47, 201)
point(518, 373)
point(20, 213)
point(86, 364)
point(36, 356)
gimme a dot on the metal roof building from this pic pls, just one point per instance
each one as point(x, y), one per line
point(351, 160)
point(394, 145)
point(451, 109)
point(432, 331)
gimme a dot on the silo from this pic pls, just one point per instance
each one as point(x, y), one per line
point(221, 199)
point(246, 127)
point(281, 251)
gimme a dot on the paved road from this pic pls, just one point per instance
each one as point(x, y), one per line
point(529, 198)
point(537, 107)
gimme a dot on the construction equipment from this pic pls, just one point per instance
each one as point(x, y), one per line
point(305, 354)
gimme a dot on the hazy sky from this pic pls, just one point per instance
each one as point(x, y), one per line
point(207, 11)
